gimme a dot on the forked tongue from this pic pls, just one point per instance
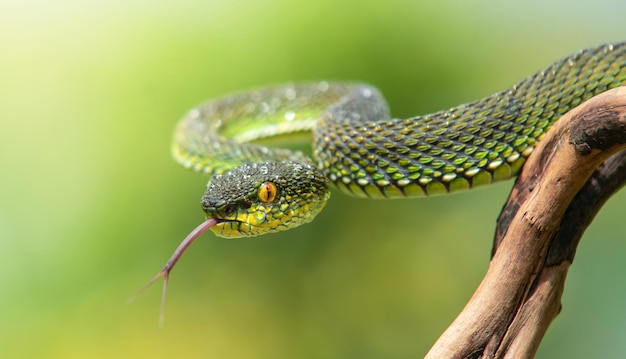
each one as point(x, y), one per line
point(165, 272)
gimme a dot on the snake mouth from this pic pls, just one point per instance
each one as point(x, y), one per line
point(234, 222)
point(233, 228)
point(238, 224)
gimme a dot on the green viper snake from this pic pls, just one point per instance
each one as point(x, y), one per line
point(361, 150)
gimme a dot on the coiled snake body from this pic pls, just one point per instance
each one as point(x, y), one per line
point(365, 153)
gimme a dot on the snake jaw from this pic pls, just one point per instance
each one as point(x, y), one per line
point(228, 220)
point(233, 221)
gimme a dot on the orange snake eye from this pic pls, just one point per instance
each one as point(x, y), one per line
point(267, 192)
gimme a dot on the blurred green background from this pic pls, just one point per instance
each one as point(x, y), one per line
point(92, 205)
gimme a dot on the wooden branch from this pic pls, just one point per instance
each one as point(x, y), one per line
point(564, 183)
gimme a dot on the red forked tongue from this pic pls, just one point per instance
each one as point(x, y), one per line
point(165, 272)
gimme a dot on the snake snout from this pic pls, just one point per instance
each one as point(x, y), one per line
point(222, 210)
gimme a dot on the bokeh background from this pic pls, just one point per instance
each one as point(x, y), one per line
point(91, 204)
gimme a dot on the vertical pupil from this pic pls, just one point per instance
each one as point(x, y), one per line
point(267, 192)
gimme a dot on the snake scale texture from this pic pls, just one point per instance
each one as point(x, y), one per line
point(364, 152)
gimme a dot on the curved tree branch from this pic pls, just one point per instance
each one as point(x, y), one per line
point(563, 185)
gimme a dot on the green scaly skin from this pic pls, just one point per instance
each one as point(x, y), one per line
point(362, 151)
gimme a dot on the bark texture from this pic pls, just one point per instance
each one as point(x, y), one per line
point(571, 173)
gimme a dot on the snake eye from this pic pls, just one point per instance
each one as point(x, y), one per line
point(267, 192)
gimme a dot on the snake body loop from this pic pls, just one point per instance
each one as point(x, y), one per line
point(365, 153)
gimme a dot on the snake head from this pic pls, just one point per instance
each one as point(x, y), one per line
point(259, 198)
